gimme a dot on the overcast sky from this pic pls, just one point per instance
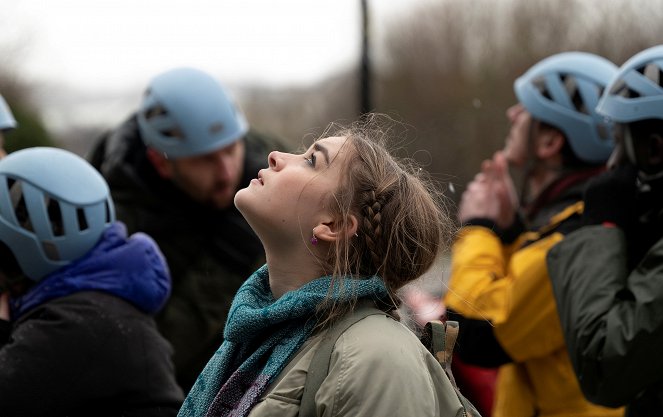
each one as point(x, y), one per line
point(89, 60)
point(104, 44)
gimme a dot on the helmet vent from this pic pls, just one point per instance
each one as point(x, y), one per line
point(571, 88)
point(55, 216)
point(155, 111)
point(540, 84)
point(574, 93)
point(216, 128)
point(108, 212)
point(173, 133)
point(18, 202)
point(620, 89)
point(160, 111)
point(82, 220)
point(653, 72)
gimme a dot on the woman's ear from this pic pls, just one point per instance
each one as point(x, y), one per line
point(330, 231)
point(160, 163)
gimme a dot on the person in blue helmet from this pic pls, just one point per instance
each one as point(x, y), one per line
point(607, 276)
point(7, 123)
point(77, 296)
point(499, 288)
point(173, 168)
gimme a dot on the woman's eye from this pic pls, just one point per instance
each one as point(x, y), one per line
point(311, 160)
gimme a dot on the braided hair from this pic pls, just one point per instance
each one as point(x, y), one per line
point(403, 223)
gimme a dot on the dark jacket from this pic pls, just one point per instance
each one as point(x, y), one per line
point(209, 252)
point(612, 317)
point(82, 341)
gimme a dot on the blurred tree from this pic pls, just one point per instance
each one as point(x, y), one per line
point(31, 130)
point(298, 114)
point(446, 69)
point(449, 66)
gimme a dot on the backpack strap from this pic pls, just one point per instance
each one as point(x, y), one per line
point(440, 339)
point(319, 367)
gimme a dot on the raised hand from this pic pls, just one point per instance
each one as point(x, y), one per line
point(491, 194)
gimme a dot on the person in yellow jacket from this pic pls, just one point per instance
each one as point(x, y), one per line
point(499, 288)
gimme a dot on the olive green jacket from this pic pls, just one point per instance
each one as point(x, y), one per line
point(378, 368)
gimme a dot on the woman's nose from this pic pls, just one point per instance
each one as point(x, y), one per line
point(273, 159)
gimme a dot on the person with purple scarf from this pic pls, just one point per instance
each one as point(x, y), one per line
point(77, 296)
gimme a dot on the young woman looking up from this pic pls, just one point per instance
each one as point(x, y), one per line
point(342, 224)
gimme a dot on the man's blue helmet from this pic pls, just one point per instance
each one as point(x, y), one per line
point(7, 120)
point(636, 91)
point(186, 112)
point(563, 91)
point(54, 207)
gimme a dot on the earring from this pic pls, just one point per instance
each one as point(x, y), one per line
point(314, 240)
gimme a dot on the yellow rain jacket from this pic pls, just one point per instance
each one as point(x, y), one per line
point(508, 285)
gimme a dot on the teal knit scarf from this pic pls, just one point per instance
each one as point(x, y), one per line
point(260, 337)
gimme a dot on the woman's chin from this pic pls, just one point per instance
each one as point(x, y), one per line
point(240, 199)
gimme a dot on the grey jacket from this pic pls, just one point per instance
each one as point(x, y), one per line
point(378, 368)
point(612, 318)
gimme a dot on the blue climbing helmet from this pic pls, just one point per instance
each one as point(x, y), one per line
point(7, 120)
point(636, 91)
point(54, 207)
point(186, 112)
point(563, 91)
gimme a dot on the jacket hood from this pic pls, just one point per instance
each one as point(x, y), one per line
point(132, 268)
